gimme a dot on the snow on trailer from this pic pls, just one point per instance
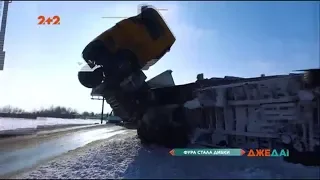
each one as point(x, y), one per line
point(262, 112)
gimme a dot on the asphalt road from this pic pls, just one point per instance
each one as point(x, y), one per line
point(21, 153)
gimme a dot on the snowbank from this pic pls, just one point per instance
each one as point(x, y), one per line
point(18, 132)
point(12, 126)
point(125, 158)
point(51, 127)
point(17, 123)
point(43, 128)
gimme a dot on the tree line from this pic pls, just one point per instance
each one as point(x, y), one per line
point(53, 111)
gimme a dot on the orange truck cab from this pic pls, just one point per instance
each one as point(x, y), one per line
point(135, 43)
point(118, 56)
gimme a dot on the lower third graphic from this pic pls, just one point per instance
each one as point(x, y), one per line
point(207, 152)
point(230, 152)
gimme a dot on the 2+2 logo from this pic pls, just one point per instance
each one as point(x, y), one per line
point(55, 20)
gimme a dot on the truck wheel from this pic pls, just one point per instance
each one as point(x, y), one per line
point(143, 135)
point(311, 78)
point(174, 134)
point(179, 133)
point(300, 155)
point(157, 130)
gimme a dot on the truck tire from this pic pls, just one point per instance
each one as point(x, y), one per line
point(143, 135)
point(304, 157)
point(172, 134)
point(312, 78)
point(179, 134)
point(162, 132)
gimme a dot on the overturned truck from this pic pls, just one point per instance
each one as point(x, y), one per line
point(262, 112)
point(268, 111)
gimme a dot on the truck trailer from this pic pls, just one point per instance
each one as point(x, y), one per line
point(266, 111)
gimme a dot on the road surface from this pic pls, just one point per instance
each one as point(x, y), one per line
point(123, 157)
point(21, 153)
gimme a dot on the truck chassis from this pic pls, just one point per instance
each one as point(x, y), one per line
point(266, 112)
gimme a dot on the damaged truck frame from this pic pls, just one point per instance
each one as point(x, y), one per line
point(268, 112)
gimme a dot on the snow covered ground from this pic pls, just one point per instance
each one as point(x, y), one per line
point(18, 123)
point(124, 157)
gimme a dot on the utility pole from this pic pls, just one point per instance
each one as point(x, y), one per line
point(3, 32)
point(102, 110)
